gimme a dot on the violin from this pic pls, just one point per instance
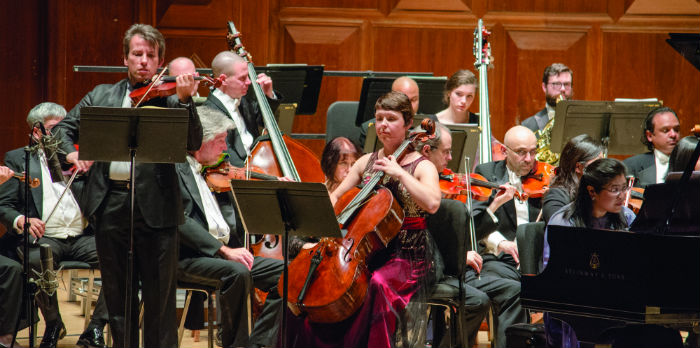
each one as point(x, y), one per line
point(164, 86)
point(218, 176)
point(454, 186)
point(33, 182)
point(536, 183)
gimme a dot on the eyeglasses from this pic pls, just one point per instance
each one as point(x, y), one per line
point(557, 85)
point(522, 153)
point(616, 190)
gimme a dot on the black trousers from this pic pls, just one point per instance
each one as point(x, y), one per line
point(155, 266)
point(11, 286)
point(235, 282)
point(495, 284)
point(80, 248)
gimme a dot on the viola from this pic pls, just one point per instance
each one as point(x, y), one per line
point(33, 182)
point(536, 183)
point(454, 186)
point(329, 281)
point(164, 86)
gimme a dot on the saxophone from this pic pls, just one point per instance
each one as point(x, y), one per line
point(544, 139)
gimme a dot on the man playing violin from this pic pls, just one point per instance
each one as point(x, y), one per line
point(60, 224)
point(157, 208)
point(212, 251)
point(481, 288)
point(660, 135)
point(231, 99)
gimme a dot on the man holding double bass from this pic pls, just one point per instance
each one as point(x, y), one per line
point(157, 202)
point(231, 99)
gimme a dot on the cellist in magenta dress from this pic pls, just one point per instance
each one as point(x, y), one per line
point(392, 314)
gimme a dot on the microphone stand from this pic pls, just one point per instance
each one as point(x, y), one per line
point(29, 286)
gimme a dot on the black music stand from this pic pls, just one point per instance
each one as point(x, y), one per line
point(115, 134)
point(618, 125)
point(299, 84)
point(465, 143)
point(430, 102)
point(281, 207)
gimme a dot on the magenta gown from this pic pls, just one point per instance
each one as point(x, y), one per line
point(405, 270)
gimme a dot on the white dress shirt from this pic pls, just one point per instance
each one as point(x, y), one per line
point(67, 220)
point(521, 210)
point(121, 170)
point(215, 220)
point(661, 160)
point(232, 108)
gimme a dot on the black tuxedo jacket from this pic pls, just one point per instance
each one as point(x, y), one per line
point(12, 195)
point(195, 239)
point(643, 168)
point(252, 117)
point(537, 121)
point(507, 219)
point(157, 190)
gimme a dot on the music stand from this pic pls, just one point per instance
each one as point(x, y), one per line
point(430, 101)
point(465, 143)
point(300, 84)
point(617, 125)
point(115, 134)
point(281, 207)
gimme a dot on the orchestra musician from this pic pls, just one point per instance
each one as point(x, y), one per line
point(231, 99)
point(599, 204)
point(458, 95)
point(183, 65)
point(577, 154)
point(10, 284)
point(336, 160)
point(557, 80)
point(211, 252)
point(404, 269)
point(63, 229)
point(660, 135)
point(157, 207)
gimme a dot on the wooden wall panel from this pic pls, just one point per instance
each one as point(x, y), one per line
point(22, 67)
point(645, 66)
point(575, 6)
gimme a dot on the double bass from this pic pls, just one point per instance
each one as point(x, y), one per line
point(329, 282)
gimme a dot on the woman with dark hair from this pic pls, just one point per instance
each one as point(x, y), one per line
point(405, 269)
point(599, 204)
point(578, 153)
point(338, 157)
point(458, 95)
point(681, 154)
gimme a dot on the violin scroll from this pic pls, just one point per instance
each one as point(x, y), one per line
point(33, 182)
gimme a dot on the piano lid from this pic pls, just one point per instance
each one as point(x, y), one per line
point(688, 45)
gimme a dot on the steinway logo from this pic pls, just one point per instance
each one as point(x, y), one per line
point(594, 262)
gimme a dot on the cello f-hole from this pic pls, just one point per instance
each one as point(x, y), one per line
point(347, 256)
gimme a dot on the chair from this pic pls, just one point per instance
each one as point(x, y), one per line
point(448, 228)
point(209, 291)
point(530, 239)
point(78, 288)
point(340, 121)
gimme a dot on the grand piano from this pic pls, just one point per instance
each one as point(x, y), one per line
point(598, 279)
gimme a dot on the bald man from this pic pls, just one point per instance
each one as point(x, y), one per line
point(230, 98)
point(181, 66)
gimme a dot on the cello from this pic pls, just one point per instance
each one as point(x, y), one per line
point(329, 282)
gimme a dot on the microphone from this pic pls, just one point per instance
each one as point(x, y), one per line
point(47, 278)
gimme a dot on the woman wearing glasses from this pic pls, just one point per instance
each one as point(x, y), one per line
point(599, 204)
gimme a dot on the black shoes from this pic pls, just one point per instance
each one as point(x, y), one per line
point(53, 334)
point(92, 338)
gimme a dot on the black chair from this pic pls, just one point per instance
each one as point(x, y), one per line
point(340, 121)
point(448, 226)
point(530, 239)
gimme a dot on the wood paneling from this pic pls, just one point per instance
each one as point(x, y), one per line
point(644, 66)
